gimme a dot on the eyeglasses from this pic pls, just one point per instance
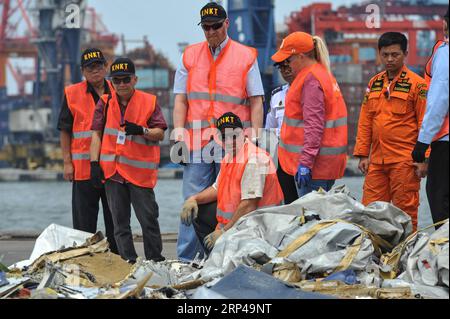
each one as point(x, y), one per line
point(282, 65)
point(94, 67)
point(215, 26)
point(289, 60)
point(124, 80)
point(230, 133)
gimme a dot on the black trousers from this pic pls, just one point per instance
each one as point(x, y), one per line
point(438, 181)
point(120, 198)
point(287, 184)
point(85, 206)
point(206, 222)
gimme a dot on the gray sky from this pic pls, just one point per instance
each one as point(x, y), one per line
point(168, 22)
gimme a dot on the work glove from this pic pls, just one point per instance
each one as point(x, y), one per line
point(211, 239)
point(303, 176)
point(189, 212)
point(418, 154)
point(97, 176)
point(133, 129)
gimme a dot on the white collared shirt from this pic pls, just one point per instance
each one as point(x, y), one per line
point(274, 119)
point(254, 81)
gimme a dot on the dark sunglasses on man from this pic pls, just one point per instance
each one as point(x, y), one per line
point(124, 80)
point(230, 134)
point(215, 26)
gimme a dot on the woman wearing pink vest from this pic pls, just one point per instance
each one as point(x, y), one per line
point(313, 138)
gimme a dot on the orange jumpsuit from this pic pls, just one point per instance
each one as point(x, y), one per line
point(388, 128)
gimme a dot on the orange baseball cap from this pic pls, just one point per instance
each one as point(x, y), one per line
point(294, 43)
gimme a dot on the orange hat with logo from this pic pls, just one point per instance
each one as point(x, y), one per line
point(294, 43)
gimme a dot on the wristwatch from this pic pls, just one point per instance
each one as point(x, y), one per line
point(146, 131)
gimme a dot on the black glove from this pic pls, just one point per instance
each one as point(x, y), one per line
point(179, 153)
point(97, 175)
point(133, 129)
point(419, 151)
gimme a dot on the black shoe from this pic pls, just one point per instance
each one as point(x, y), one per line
point(157, 260)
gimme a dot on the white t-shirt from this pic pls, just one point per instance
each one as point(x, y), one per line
point(254, 176)
point(275, 116)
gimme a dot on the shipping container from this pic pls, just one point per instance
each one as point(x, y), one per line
point(29, 120)
point(347, 73)
point(152, 78)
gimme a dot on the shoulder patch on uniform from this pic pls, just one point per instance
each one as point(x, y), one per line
point(276, 90)
point(402, 87)
point(421, 85)
point(377, 86)
point(423, 93)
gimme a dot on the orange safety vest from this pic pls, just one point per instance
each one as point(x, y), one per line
point(82, 106)
point(137, 160)
point(229, 184)
point(331, 161)
point(428, 76)
point(215, 88)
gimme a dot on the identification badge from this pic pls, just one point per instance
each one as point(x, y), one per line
point(121, 137)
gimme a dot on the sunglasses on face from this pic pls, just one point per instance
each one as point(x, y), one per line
point(124, 80)
point(215, 26)
point(282, 65)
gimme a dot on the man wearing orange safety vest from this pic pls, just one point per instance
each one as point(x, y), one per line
point(216, 76)
point(434, 130)
point(128, 126)
point(389, 123)
point(247, 181)
point(313, 139)
point(74, 122)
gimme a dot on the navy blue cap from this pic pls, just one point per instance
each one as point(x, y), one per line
point(122, 67)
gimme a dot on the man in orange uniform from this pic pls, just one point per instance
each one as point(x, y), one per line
point(389, 123)
point(247, 181)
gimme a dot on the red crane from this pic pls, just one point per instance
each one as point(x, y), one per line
point(13, 15)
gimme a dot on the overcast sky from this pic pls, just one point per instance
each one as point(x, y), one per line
point(168, 22)
point(165, 23)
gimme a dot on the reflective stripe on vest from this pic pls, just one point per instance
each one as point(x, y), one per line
point(85, 134)
point(224, 215)
point(323, 150)
point(203, 124)
point(135, 138)
point(217, 98)
point(328, 124)
point(81, 156)
point(125, 160)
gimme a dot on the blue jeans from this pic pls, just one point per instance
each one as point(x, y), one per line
point(314, 185)
point(197, 176)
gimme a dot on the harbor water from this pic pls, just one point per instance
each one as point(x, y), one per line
point(29, 207)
